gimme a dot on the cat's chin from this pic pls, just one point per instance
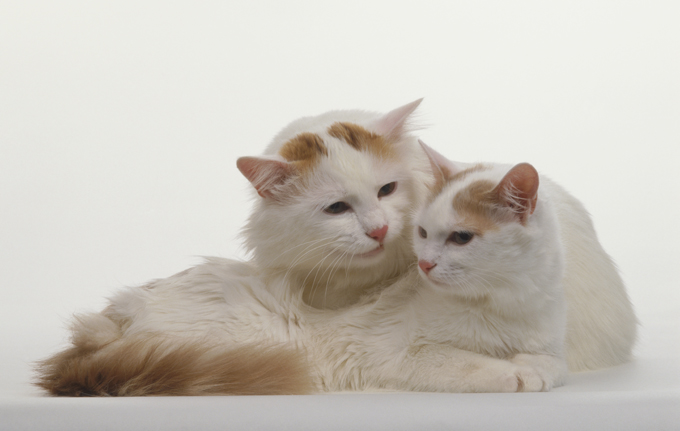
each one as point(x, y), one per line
point(433, 282)
point(445, 285)
point(450, 289)
point(375, 252)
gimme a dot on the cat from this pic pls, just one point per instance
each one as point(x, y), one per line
point(330, 226)
point(490, 312)
point(601, 326)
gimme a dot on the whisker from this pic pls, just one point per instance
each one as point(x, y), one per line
point(334, 267)
point(305, 252)
point(314, 285)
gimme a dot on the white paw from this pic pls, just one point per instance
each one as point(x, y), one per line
point(508, 378)
point(529, 380)
point(551, 370)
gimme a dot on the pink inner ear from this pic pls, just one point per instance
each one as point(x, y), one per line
point(518, 190)
point(264, 174)
point(392, 123)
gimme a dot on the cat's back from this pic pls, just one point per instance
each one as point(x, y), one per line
point(601, 322)
point(219, 296)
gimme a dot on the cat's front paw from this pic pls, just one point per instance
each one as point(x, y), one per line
point(551, 369)
point(509, 378)
point(529, 380)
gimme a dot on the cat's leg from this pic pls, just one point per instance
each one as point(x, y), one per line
point(551, 369)
point(441, 368)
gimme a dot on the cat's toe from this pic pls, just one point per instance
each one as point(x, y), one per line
point(509, 383)
point(550, 370)
point(520, 379)
point(528, 380)
point(509, 378)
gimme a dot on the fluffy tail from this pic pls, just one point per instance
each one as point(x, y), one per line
point(153, 365)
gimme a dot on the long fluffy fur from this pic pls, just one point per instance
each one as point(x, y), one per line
point(148, 365)
point(103, 362)
point(247, 315)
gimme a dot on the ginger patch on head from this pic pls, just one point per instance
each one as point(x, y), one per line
point(475, 204)
point(361, 139)
point(464, 173)
point(304, 150)
point(437, 188)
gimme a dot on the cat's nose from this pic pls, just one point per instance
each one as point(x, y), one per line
point(426, 266)
point(378, 234)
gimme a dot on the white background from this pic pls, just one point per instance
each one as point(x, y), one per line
point(121, 122)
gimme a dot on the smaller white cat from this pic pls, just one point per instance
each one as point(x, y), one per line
point(529, 250)
point(488, 245)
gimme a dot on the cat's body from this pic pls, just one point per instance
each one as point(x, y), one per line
point(601, 322)
point(332, 299)
point(333, 226)
point(395, 341)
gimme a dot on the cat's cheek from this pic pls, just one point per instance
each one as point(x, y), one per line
point(396, 221)
point(417, 248)
point(395, 229)
point(430, 250)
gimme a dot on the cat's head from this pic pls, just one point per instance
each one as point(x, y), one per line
point(478, 232)
point(335, 193)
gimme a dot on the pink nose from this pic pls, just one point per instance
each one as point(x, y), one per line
point(378, 234)
point(426, 266)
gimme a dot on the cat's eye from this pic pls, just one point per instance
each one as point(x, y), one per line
point(461, 238)
point(336, 208)
point(422, 232)
point(387, 189)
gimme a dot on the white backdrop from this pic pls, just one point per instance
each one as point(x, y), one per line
point(120, 125)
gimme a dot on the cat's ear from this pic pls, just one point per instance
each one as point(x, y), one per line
point(442, 168)
point(265, 173)
point(518, 190)
point(392, 123)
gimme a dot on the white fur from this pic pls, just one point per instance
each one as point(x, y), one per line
point(373, 322)
point(296, 245)
point(601, 326)
point(601, 322)
point(321, 253)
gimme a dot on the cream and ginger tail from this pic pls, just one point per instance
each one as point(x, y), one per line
point(102, 364)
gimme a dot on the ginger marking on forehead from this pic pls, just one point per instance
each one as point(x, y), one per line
point(361, 139)
point(304, 150)
point(475, 204)
point(437, 188)
point(462, 174)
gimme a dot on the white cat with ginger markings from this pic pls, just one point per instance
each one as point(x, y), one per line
point(520, 239)
point(489, 247)
point(330, 225)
